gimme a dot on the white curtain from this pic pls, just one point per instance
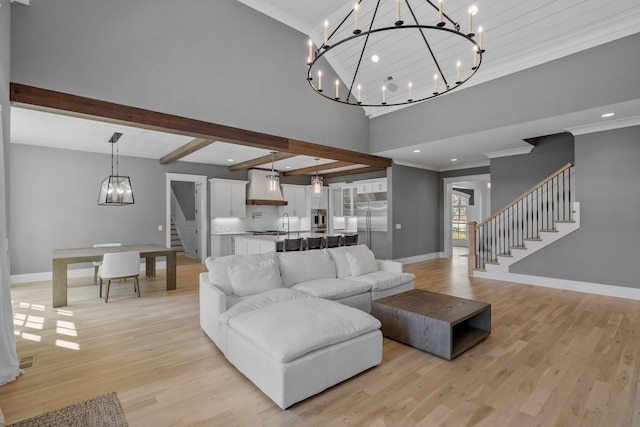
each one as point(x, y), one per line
point(9, 365)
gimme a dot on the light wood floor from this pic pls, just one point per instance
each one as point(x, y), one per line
point(554, 358)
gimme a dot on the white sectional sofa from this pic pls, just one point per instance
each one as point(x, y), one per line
point(277, 317)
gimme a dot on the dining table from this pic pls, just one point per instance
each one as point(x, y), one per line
point(63, 257)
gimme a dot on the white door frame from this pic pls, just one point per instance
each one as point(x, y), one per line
point(201, 179)
point(448, 185)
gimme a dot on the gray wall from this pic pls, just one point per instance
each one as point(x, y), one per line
point(414, 205)
point(512, 176)
point(588, 79)
point(54, 195)
point(185, 193)
point(218, 61)
point(605, 248)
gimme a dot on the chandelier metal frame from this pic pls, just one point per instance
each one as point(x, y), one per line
point(350, 99)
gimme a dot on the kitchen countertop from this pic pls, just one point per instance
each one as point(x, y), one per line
point(231, 233)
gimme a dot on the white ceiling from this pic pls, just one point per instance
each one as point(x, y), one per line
point(549, 29)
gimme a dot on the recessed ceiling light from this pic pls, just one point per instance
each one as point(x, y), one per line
point(229, 160)
point(287, 167)
point(605, 115)
point(416, 151)
point(454, 160)
point(375, 58)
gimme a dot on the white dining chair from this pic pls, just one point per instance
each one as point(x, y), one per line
point(119, 265)
point(96, 264)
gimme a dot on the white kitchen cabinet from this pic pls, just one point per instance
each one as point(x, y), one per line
point(348, 200)
point(228, 198)
point(221, 245)
point(377, 186)
point(252, 245)
point(296, 198)
point(321, 202)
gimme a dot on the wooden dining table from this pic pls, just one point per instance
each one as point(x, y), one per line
point(63, 257)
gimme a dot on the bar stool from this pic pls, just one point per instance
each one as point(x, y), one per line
point(314, 242)
point(350, 240)
point(331, 241)
point(293, 244)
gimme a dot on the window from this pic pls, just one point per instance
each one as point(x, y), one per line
point(459, 205)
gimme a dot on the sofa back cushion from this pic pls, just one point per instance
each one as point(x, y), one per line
point(250, 279)
point(297, 267)
point(362, 262)
point(339, 257)
point(219, 268)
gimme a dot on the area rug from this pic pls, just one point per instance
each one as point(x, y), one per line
point(101, 411)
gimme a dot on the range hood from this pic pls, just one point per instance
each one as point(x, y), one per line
point(258, 190)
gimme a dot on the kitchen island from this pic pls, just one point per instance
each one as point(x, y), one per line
point(244, 245)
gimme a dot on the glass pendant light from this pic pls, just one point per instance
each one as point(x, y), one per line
point(273, 179)
point(115, 190)
point(316, 182)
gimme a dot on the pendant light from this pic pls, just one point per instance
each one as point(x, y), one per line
point(115, 190)
point(273, 179)
point(316, 182)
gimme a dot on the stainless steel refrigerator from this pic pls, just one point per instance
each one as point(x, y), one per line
point(371, 209)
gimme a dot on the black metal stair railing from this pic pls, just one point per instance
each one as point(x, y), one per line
point(538, 209)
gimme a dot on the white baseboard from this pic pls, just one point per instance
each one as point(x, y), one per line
point(80, 272)
point(571, 285)
point(418, 258)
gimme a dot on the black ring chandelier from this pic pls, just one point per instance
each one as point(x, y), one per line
point(441, 55)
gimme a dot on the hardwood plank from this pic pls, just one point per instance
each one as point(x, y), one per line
point(554, 357)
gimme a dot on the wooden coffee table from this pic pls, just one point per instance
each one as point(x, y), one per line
point(443, 325)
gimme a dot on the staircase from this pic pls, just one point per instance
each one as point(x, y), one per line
point(176, 241)
point(542, 215)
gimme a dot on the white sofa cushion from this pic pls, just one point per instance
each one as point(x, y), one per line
point(250, 279)
point(263, 299)
point(381, 280)
point(219, 268)
point(297, 267)
point(290, 329)
point(362, 262)
point(339, 257)
point(332, 288)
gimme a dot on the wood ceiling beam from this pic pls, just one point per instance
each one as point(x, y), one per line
point(353, 171)
point(190, 147)
point(261, 161)
point(334, 153)
point(93, 109)
point(313, 169)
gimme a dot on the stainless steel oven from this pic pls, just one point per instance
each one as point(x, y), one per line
point(318, 220)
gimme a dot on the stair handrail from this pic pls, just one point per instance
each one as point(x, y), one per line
point(525, 194)
point(473, 227)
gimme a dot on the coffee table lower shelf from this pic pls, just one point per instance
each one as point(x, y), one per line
point(442, 325)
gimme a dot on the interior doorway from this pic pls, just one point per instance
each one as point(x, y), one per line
point(200, 210)
point(466, 198)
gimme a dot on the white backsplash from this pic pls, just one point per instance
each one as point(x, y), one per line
point(259, 217)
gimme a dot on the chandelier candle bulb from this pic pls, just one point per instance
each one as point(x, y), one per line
point(320, 81)
point(475, 57)
point(337, 89)
point(472, 11)
point(480, 31)
point(310, 51)
point(356, 12)
point(398, 21)
point(384, 95)
point(441, 11)
point(410, 95)
point(359, 89)
point(435, 84)
point(326, 32)
point(458, 72)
